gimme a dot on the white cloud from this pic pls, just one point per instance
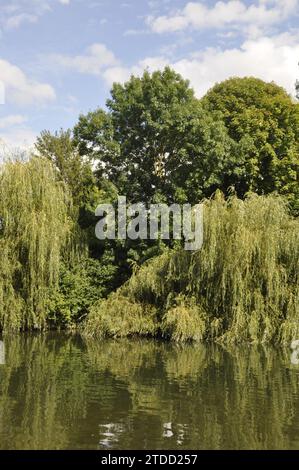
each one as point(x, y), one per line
point(100, 61)
point(14, 13)
point(223, 14)
point(12, 120)
point(271, 59)
point(15, 136)
point(15, 140)
point(121, 73)
point(20, 89)
point(96, 58)
point(135, 32)
point(15, 21)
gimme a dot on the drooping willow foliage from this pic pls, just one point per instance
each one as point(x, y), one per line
point(243, 285)
point(35, 225)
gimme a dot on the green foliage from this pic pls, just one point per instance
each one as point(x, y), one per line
point(61, 151)
point(243, 285)
point(86, 190)
point(156, 143)
point(264, 121)
point(94, 136)
point(184, 321)
point(80, 286)
point(35, 226)
point(120, 317)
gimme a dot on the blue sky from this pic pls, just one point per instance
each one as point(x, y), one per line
point(59, 58)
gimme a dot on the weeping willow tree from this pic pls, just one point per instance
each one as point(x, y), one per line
point(34, 228)
point(243, 285)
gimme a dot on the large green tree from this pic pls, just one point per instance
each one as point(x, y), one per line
point(60, 149)
point(156, 142)
point(264, 120)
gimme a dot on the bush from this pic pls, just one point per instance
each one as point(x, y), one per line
point(79, 287)
point(118, 317)
point(185, 321)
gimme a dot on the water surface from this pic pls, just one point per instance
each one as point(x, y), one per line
point(60, 392)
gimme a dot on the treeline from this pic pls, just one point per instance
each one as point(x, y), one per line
point(156, 142)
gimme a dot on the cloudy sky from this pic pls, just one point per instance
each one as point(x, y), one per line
point(58, 58)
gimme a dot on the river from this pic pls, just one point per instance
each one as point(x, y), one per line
point(58, 391)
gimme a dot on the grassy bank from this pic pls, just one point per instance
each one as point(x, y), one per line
point(243, 285)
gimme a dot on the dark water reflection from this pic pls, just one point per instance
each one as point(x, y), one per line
point(59, 392)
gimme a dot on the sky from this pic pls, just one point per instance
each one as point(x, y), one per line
point(59, 58)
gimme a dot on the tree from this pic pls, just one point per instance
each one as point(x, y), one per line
point(90, 273)
point(35, 229)
point(156, 142)
point(264, 121)
point(60, 149)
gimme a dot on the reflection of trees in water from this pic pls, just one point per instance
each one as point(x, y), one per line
point(58, 392)
point(195, 396)
point(41, 391)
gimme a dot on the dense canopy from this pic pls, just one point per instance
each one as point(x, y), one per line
point(236, 150)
